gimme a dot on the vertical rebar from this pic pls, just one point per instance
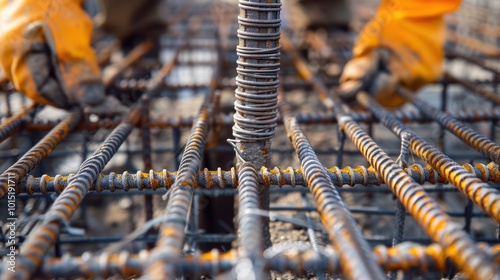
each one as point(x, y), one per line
point(400, 209)
point(146, 158)
point(257, 82)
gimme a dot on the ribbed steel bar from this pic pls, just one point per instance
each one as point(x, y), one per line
point(405, 256)
point(355, 257)
point(480, 193)
point(8, 126)
point(458, 245)
point(437, 224)
point(256, 104)
point(44, 236)
point(346, 176)
point(480, 91)
point(170, 243)
point(43, 148)
point(172, 233)
point(251, 240)
point(258, 62)
point(302, 118)
point(468, 135)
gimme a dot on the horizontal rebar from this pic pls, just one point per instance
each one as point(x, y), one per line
point(405, 256)
point(209, 179)
point(302, 118)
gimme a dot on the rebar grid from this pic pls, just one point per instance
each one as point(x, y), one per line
point(345, 244)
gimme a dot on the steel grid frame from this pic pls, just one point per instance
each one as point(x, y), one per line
point(348, 252)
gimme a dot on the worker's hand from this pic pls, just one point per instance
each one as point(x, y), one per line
point(45, 52)
point(401, 46)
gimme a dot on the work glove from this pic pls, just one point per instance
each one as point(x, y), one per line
point(45, 52)
point(403, 45)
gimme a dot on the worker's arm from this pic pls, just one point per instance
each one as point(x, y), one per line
point(413, 32)
point(45, 52)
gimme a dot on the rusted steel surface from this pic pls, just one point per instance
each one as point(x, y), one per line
point(471, 137)
point(44, 236)
point(405, 256)
point(33, 157)
point(480, 91)
point(155, 180)
point(467, 115)
point(485, 197)
point(458, 245)
point(312, 204)
point(8, 126)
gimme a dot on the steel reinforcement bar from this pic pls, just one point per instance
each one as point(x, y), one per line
point(8, 126)
point(302, 118)
point(405, 256)
point(468, 135)
point(44, 236)
point(480, 193)
point(458, 245)
point(179, 198)
point(355, 257)
point(43, 148)
point(153, 180)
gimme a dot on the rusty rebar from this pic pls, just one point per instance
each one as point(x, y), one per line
point(405, 256)
point(251, 240)
point(468, 135)
point(152, 180)
point(43, 148)
point(480, 193)
point(480, 91)
point(172, 233)
point(8, 126)
point(171, 240)
point(471, 59)
point(44, 236)
point(467, 115)
point(419, 204)
point(355, 257)
point(437, 224)
point(256, 104)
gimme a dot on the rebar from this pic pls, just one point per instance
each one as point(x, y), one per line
point(251, 244)
point(480, 193)
point(185, 237)
point(256, 104)
point(468, 135)
point(457, 244)
point(480, 91)
point(426, 212)
point(172, 233)
point(405, 256)
point(355, 258)
point(44, 236)
point(8, 126)
point(467, 115)
point(33, 157)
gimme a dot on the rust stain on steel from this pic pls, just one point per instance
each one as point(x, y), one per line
point(33, 157)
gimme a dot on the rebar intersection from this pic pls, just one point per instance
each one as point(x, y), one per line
point(255, 121)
